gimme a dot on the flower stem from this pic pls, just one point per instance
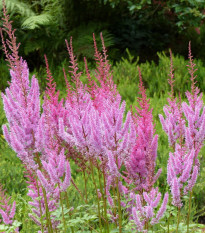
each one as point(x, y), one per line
point(72, 181)
point(168, 224)
point(188, 216)
point(48, 217)
point(68, 206)
point(63, 217)
point(178, 219)
point(119, 207)
point(41, 215)
point(105, 201)
point(85, 180)
point(96, 190)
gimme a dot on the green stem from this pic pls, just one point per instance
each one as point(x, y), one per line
point(48, 217)
point(189, 212)
point(101, 189)
point(119, 207)
point(63, 217)
point(72, 181)
point(96, 190)
point(105, 201)
point(85, 181)
point(66, 198)
point(40, 206)
point(168, 223)
point(115, 205)
point(68, 206)
point(178, 219)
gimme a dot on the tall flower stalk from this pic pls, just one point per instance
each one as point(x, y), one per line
point(140, 166)
point(185, 126)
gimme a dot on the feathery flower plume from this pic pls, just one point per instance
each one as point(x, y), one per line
point(144, 210)
point(184, 125)
point(21, 99)
point(141, 163)
point(7, 209)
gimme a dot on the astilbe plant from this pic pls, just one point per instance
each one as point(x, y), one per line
point(185, 127)
point(21, 101)
point(94, 123)
point(142, 161)
point(26, 135)
point(141, 167)
point(91, 127)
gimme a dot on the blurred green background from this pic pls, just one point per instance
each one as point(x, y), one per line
point(144, 27)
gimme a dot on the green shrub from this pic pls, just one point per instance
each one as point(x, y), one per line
point(155, 76)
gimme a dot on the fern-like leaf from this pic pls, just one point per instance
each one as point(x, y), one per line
point(16, 6)
point(36, 21)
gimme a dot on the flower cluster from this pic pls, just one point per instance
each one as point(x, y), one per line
point(7, 209)
point(144, 213)
point(185, 127)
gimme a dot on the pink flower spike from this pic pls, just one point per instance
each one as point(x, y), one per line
point(61, 164)
point(136, 219)
point(13, 210)
point(192, 180)
point(44, 181)
point(139, 203)
point(6, 134)
point(112, 165)
point(66, 182)
point(162, 210)
point(175, 190)
point(5, 217)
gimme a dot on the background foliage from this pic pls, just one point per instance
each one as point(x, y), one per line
point(145, 27)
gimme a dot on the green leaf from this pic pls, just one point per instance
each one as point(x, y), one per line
point(3, 228)
point(36, 21)
point(15, 6)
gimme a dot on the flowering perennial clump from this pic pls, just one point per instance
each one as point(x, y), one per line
point(91, 127)
point(185, 127)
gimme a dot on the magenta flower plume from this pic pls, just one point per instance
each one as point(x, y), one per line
point(94, 121)
point(194, 112)
point(141, 163)
point(103, 73)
